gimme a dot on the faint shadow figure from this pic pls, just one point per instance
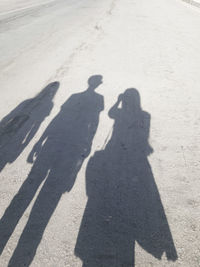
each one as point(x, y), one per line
point(123, 205)
point(19, 127)
point(59, 155)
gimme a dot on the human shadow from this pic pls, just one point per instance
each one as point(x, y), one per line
point(19, 127)
point(59, 153)
point(123, 205)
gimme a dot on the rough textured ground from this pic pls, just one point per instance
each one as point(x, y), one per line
point(103, 174)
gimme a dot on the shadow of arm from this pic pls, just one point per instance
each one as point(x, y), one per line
point(37, 148)
point(113, 112)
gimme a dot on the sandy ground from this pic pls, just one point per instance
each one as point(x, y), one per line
point(108, 170)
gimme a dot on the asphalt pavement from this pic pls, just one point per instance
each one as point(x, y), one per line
point(99, 133)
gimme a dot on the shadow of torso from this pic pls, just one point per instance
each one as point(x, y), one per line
point(123, 205)
point(59, 155)
point(19, 127)
point(67, 140)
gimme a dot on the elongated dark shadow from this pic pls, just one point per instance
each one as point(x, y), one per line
point(19, 127)
point(59, 153)
point(123, 205)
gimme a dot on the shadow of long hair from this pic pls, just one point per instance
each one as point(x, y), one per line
point(123, 205)
point(57, 157)
point(19, 127)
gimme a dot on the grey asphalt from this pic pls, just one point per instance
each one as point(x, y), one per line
point(99, 133)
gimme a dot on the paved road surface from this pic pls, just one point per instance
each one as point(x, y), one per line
point(100, 133)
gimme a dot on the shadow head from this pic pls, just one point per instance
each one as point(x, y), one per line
point(131, 99)
point(49, 91)
point(94, 81)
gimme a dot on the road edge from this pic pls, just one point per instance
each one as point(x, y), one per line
point(192, 2)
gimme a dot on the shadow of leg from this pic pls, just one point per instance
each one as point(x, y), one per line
point(42, 210)
point(18, 205)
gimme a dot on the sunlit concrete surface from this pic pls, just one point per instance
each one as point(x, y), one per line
point(99, 133)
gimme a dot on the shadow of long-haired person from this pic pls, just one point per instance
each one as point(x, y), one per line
point(59, 153)
point(19, 127)
point(123, 205)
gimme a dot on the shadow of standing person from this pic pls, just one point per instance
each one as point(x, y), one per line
point(19, 127)
point(123, 205)
point(59, 154)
